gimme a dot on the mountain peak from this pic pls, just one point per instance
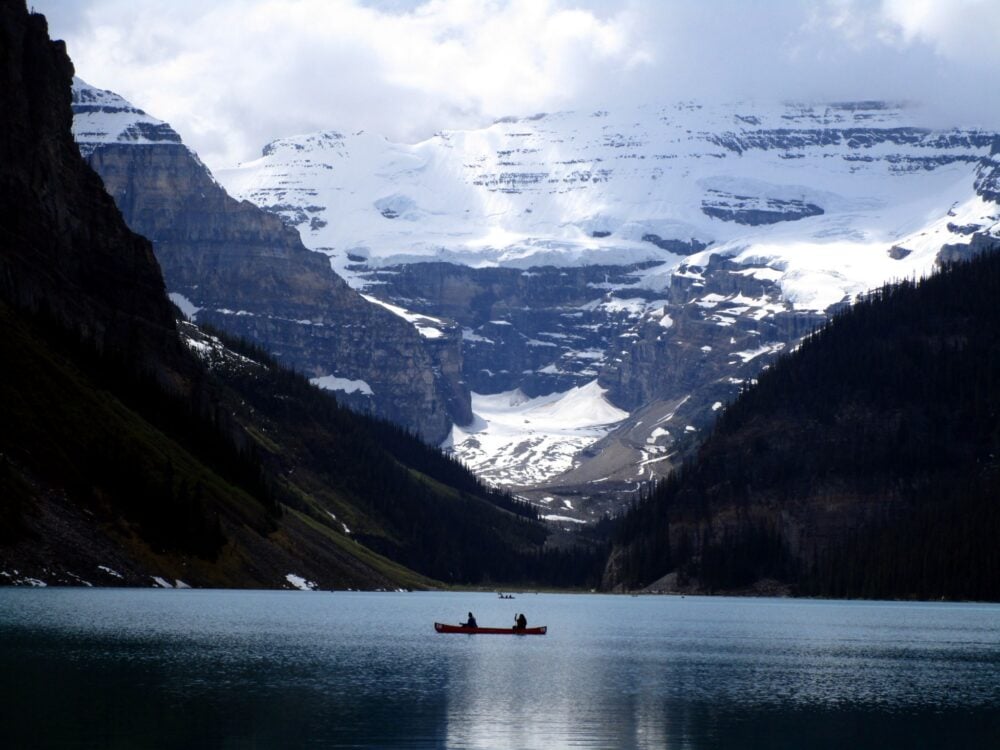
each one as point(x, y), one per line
point(322, 140)
point(101, 116)
point(648, 183)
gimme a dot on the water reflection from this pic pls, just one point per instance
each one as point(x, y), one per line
point(736, 673)
point(299, 670)
point(521, 692)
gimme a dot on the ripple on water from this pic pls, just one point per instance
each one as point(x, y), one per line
point(300, 669)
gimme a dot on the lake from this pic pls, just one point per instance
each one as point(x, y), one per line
point(129, 668)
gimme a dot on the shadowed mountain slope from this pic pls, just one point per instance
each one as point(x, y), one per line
point(131, 451)
point(867, 463)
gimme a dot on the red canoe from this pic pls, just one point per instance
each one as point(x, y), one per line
point(442, 628)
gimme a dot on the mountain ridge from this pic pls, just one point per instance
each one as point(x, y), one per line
point(240, 269)
point(568, 154)
point(668, 252)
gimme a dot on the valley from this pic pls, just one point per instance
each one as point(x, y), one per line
point(662, 256)
point(581, 293)
point(534, 331)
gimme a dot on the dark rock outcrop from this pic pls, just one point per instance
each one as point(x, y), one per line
point(704, 336)
point(822, 134)
point(65, 252)
point(540, 330)
point(754, 211)
point(978, 243)
point(680, 247)
point(988, 173)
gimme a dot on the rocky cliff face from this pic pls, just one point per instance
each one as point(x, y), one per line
point(988, 174)
point(541, 330)
point(63, 249)
point(241, 269)
point(671, 356)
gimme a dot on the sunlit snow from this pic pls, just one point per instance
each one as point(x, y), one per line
point(333, 383)
point(186, 306)
point(425, 324)
point(520, 441)
point(300, 583)
point(571, 189)
point(106, 117)
point(750, 354)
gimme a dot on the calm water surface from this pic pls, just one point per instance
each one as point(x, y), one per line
point(232, 669)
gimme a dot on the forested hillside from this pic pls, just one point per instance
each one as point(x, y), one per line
point(394, 493)
point(866, 463)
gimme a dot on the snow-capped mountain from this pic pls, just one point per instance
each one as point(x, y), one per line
point(102, 117)
point(667, 253)
point(616, 188)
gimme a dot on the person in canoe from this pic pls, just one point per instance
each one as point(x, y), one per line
point(471, 622)
point(520, 622)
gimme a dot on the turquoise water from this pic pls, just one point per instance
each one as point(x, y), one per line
point(121, 668)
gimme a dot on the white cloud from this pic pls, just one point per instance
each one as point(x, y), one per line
point(957, 30)
point(231, 75)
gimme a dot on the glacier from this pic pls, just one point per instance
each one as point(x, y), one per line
point(758, 220)
point(651, 184)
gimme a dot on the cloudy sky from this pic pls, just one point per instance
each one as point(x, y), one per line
point(231, 75)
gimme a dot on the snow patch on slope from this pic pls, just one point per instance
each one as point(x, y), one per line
point(516, 440)
point(185, 305)
point(427, 326)
point(300, 583)
point(333, 383)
